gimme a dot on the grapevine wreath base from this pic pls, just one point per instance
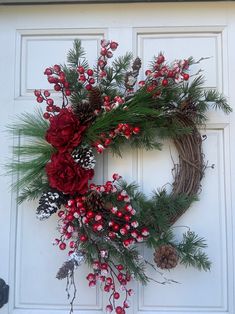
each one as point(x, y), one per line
point(103, 108)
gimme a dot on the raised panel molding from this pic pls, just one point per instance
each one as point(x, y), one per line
point(38, 49)
point(188, 296)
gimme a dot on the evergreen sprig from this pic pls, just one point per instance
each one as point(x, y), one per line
point(190, 251)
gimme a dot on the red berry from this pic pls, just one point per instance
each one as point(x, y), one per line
point(107, 142)
point(46, 93)
point(57, 68)
point(92, 284)
point(148, 72)
point(136, 130)
point(46, 115)
point(37, 93)
point(120, 277)
point(123, 231)
point(112, 235)
point(119, 310)
point(127, 217)
point(106, 288)
point(50, 102)
point(81, 70)
point(72, 244)
point(109, 281)
point(119, 214)
point(106, 98)
point(185, 76)
point(69, 217)
point(116, 227)
point(103, 51)
point(89, 72)
point(88, 87)
point(48, 71)
point(170, 74)
point(82, 78)
point(66, 84)
point(90, 214)
point(126, 242)
point(150, 88)
point(120, 197)
point(116, 295)
point(90, 277)
point(92, 81)
point(83, 238)
point(164, 82)
point(67, 92)
point(57, 87)
point(52, 79)
point(102, 63)
point(113, 45)
point(109, 308)
point(120, 267)
point(61, 212)
point(62, 246)
point(104, 266)
point(40, 99)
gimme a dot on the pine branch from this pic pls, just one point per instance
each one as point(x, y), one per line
point(217, 101)
point(190, 250)
point(30, 125)
point(75, 54)
point(33, 190)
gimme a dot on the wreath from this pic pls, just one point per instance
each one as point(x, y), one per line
point(103, 108)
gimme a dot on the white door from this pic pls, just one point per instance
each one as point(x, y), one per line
point(33, 37)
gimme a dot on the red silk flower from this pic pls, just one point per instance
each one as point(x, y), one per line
point(65, 131)
point(66, 175)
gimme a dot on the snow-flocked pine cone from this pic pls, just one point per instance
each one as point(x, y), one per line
point(83, 155)
point(65, 270)
point(49, 203)
point(166, 257)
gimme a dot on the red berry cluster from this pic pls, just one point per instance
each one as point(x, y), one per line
point(50, 108)
point(163, 74)
point(56, 76)
point(109, 104)
point(123, 129)
point(106, 52)
point(86, 77)
point(111, 275)
point(116, 221)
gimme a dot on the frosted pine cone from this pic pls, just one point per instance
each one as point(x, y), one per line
point(49, 203)
point(83, 155)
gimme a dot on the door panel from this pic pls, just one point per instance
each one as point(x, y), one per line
point(39, 36)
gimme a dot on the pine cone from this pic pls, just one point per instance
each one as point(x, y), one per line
point(49, 203)
point(94, 201)
point(166, 257)
point(131, 77)
point(136, 65)
point(95, 98)
point(83, 155)
point(65, 270)
point(84, 111)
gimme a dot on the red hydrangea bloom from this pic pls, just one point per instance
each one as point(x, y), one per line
point(65, 131)
point(66, 175)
